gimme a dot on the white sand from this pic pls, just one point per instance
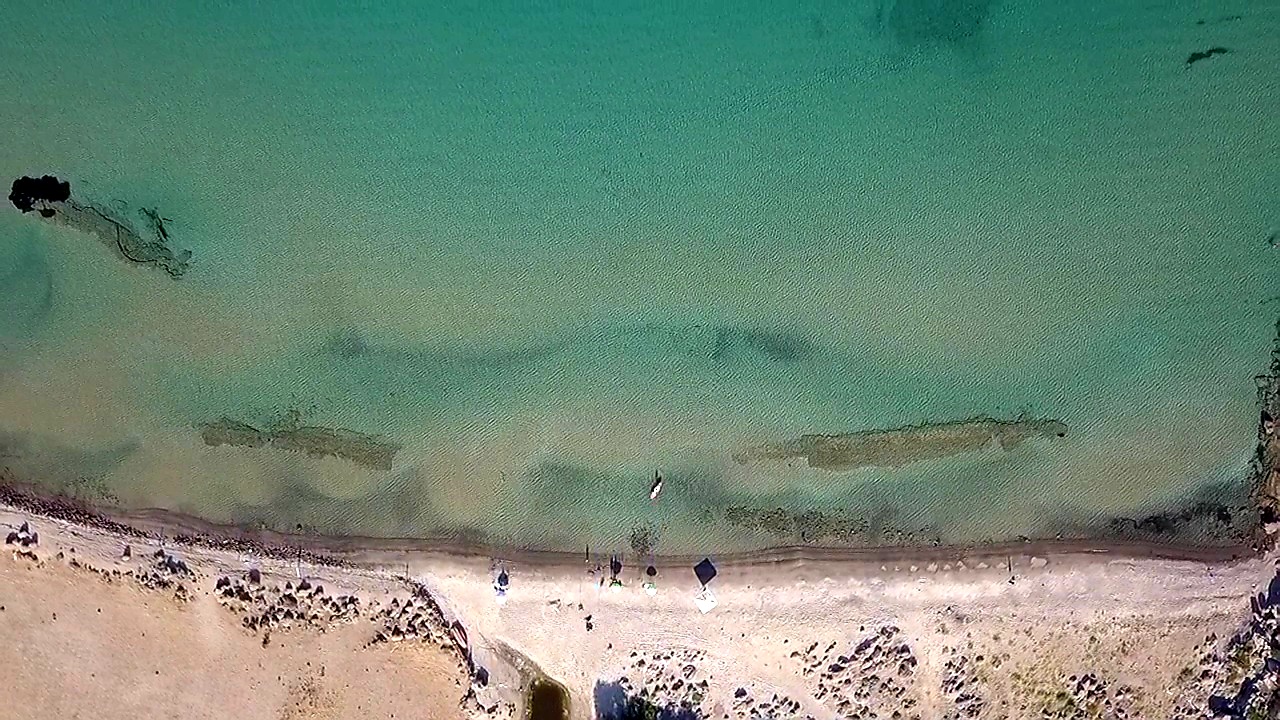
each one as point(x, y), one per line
point(1149, 614)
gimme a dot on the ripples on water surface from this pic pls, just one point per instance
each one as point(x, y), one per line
point(547, 249)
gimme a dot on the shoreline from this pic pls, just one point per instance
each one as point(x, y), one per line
point(1263, 487)
point(350, 550)
point(946, 624)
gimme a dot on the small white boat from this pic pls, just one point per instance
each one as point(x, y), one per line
point(657, 485)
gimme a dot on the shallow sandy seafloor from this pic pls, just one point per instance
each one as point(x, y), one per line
point(1073, 634)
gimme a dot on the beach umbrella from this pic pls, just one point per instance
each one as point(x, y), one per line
point(500, 587)
point(705, 571)
point(650, 586)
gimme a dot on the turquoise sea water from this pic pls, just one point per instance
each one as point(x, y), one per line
point(549, 247)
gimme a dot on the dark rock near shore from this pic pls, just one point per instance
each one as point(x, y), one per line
point(24, 536)
point(30, 193)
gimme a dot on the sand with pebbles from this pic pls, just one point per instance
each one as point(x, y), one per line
point(204, 632)
point(91, 633)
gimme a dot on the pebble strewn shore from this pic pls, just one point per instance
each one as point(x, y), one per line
point(877, 672)
point(668, 679)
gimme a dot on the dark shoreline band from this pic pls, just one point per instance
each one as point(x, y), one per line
point(186, 529)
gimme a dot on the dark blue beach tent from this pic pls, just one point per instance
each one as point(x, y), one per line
point(705, 571)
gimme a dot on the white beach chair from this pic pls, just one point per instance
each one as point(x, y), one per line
point(705, 600)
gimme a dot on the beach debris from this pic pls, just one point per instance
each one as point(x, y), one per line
point(960, 683)
point(746, 707)
point(1086, 697)
point(165, 572)
point(24, 554)
point(72, 511)
point(269, 607)
point(1238, 679)
point(171, 565)
point(24, 536)
point(483, 698)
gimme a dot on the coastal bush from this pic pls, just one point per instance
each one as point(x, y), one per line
point(637, 708)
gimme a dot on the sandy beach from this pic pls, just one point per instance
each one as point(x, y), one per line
point(87, 632)
point(185, 626)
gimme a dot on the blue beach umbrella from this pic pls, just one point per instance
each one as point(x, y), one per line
point(705, 571)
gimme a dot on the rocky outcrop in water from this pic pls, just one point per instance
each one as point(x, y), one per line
point(51, 198)
point(848, 526)
point(367, 450)
point(904, 445)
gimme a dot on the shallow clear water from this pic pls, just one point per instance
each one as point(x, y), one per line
point(548, 248)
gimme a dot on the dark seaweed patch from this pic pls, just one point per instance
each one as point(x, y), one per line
point(779, 347)
point(1224, 19)
point(934, 21)
point(1196, 57)
point(347, 343)
point(1214, 515)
